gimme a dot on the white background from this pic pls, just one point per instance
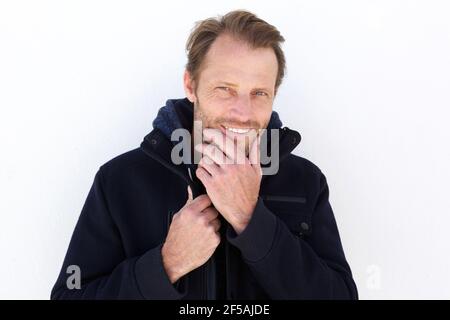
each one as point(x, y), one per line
point(367, 87)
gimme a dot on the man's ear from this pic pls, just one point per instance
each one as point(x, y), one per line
point(189, 86)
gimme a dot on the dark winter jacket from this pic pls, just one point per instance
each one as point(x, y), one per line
point(289, 250)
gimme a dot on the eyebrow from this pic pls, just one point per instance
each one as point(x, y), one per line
point(230, 84)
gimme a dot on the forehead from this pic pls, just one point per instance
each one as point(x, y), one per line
point(229, 59)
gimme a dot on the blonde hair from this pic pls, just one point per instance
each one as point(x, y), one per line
point(242, 25)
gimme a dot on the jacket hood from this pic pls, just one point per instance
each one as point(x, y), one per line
point(178, 113)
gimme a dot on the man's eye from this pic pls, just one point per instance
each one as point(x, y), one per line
point(224, 88)
point(260, 93)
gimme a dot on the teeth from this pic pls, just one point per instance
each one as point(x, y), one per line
point(238, 130)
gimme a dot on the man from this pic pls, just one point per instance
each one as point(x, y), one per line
point(154, 228)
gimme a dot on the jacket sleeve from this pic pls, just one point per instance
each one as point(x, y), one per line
point(289, 267)
point(106, 273)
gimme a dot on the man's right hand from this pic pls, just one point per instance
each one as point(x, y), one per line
point(193, 237)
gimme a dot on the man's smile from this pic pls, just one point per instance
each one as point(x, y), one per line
point(235, 131)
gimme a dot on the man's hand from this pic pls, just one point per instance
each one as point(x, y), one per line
point(231, 181)
point(193, 237)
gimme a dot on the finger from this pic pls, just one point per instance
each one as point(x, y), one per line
point(223, 142)
point(200, 203)
point(241, 147)
point(210, 213)
point(254, 154)
point(209, 165)
point(214, 153)
point(190, 197)
point(203, 176)
point(216, 224)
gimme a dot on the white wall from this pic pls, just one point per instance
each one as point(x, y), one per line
point(367, 86)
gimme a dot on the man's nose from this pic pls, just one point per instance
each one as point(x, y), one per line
point(241, 110)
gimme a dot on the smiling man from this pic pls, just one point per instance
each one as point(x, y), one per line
point(156, 228)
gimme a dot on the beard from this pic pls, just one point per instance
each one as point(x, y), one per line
point(207, 121)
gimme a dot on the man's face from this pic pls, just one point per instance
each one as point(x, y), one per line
point(235, 88)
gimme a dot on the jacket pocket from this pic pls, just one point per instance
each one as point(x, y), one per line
point(298, 223)
point(284, 203)
point(291, 199)
point(293, 211)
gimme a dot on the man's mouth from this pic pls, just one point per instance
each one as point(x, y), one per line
point(238, 130)
point(235, 130)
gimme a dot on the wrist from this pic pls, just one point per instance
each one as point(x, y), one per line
point(170, 266)
point(239, 228)
point(245, 218)
point(240, 225)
